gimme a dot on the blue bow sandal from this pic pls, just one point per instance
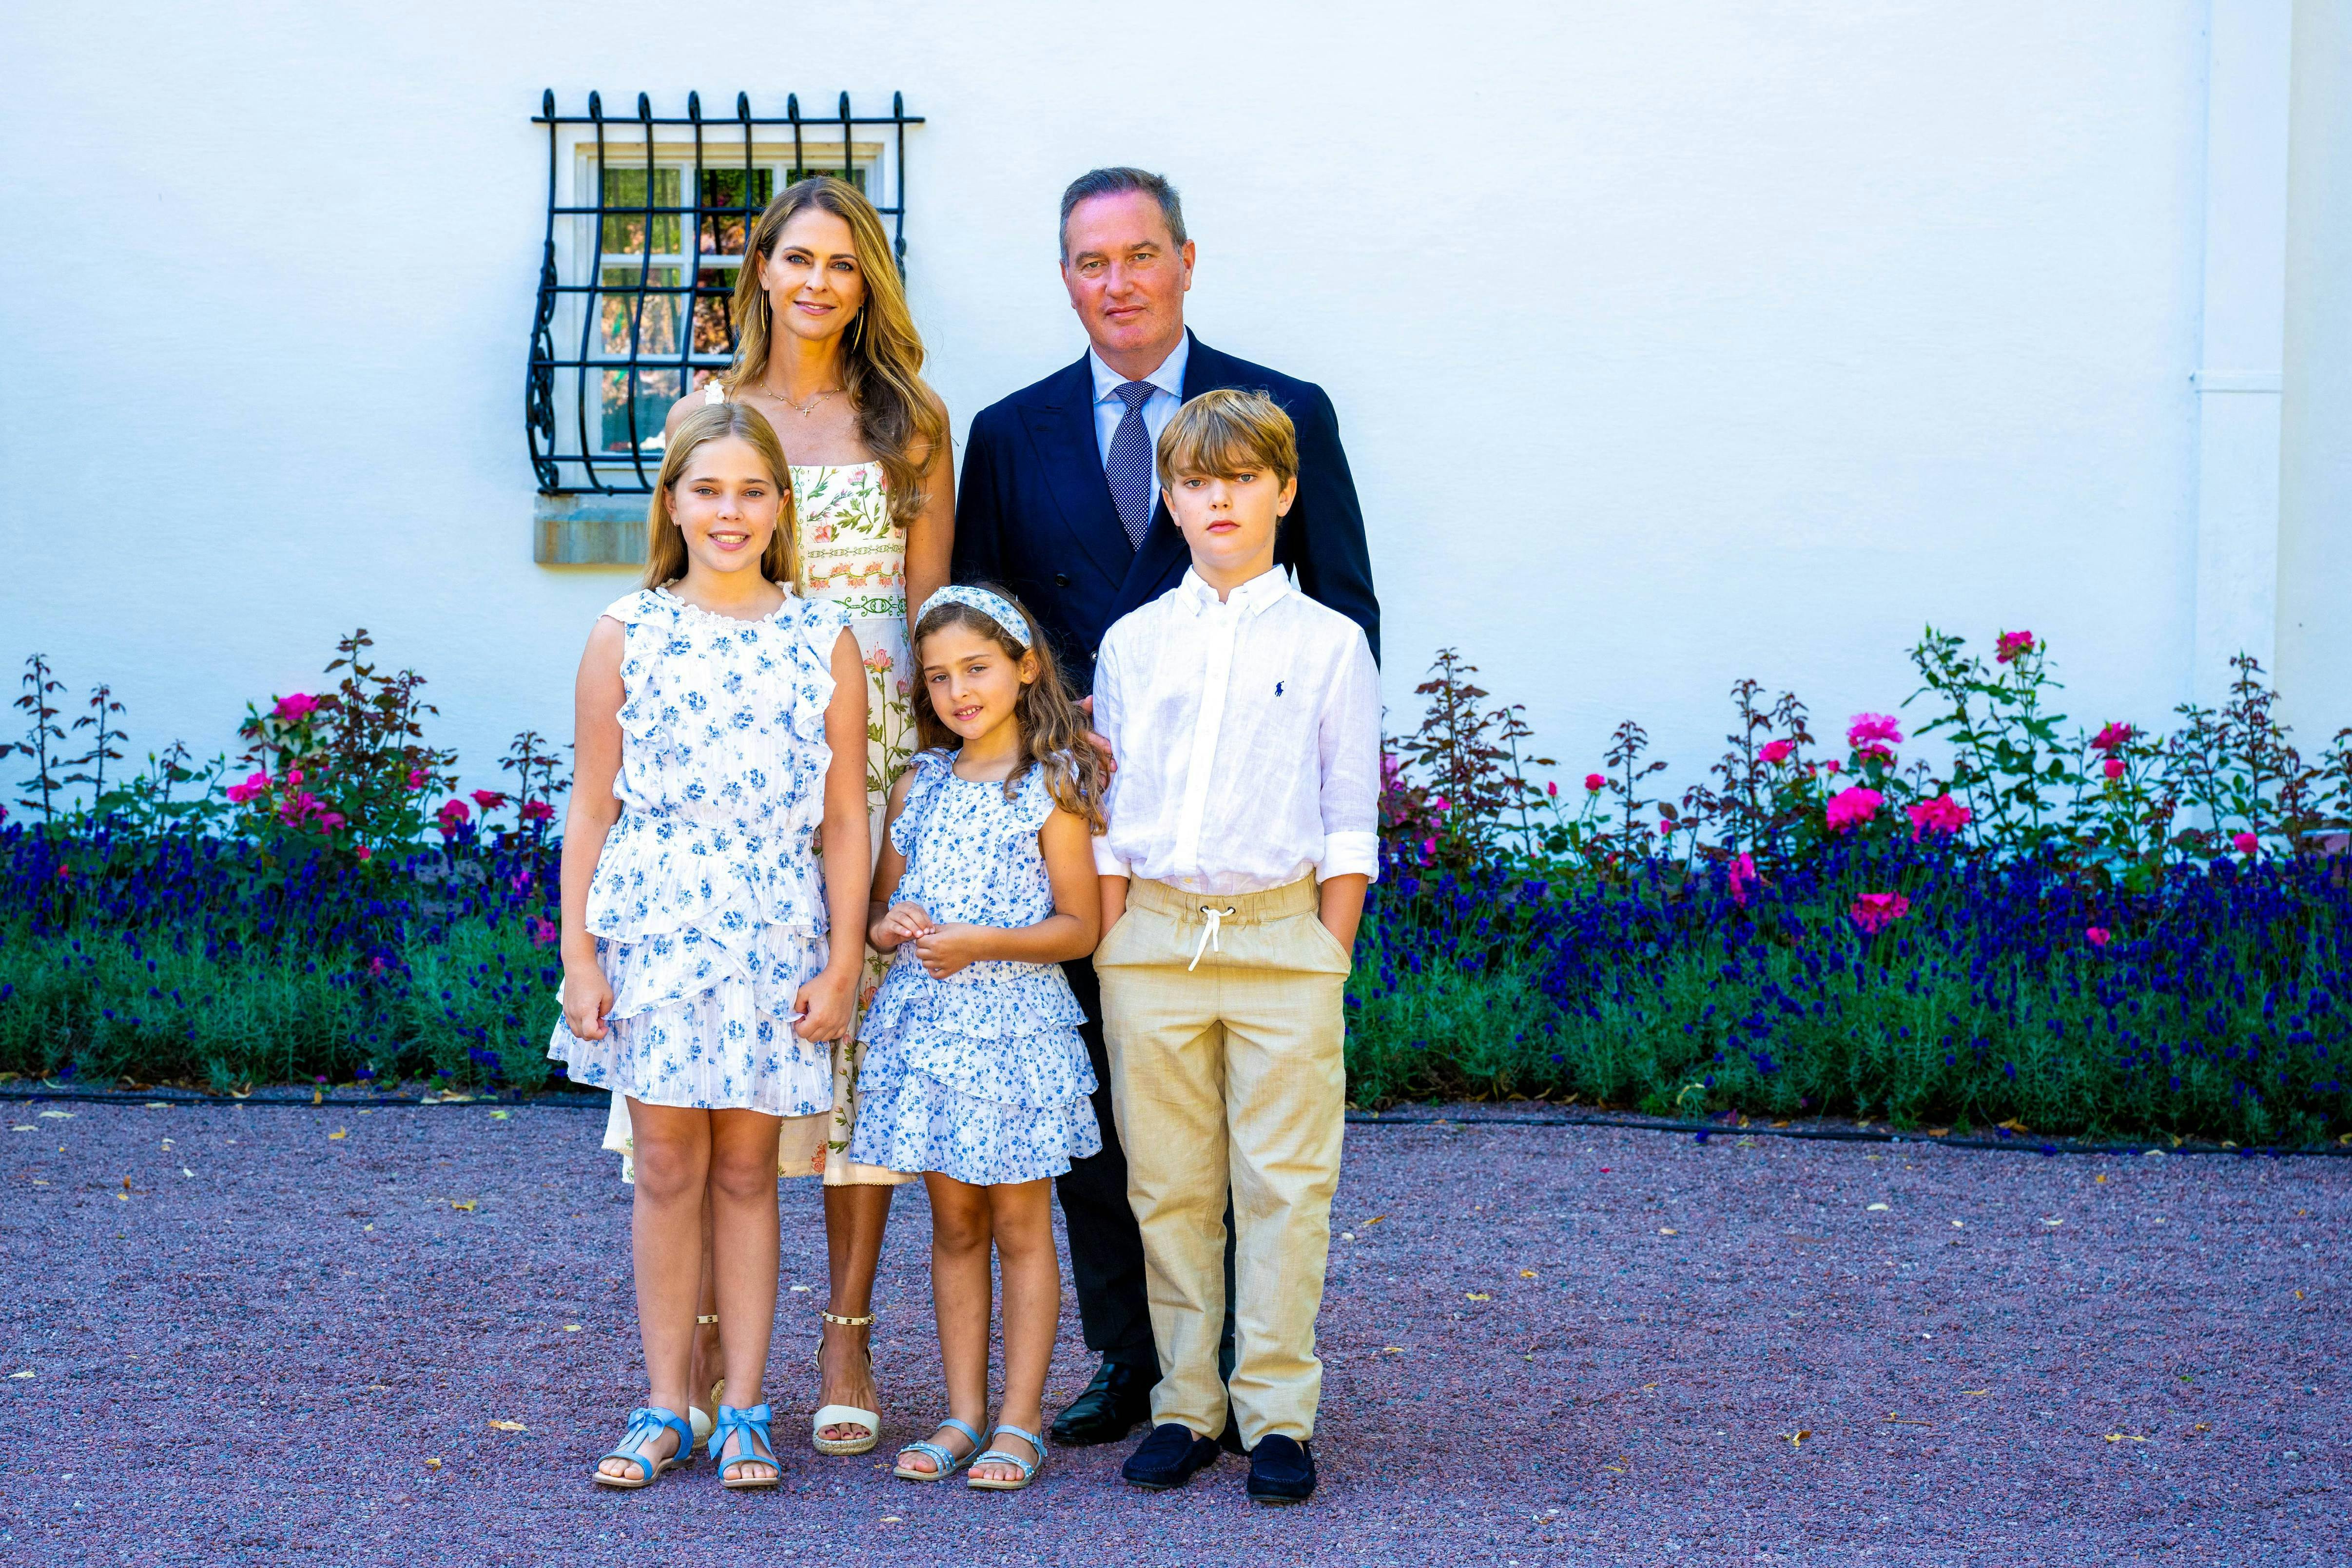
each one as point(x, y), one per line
point(757, 1447)
point(644, 1425)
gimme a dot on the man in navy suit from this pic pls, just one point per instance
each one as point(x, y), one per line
point(1058, 503)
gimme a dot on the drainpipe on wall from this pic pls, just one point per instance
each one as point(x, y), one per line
point(2249, 46)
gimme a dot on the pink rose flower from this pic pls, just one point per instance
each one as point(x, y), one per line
point(538, 811)
point(1874, 912)
point(1593, 781)
point(1551, 787)
point(258, 784)
point(365, 853)
point(2097, 934)
point(294, 775)
point(1832, 767)
point(2013, 644)
point(1740, 878)
point(1852, 808)
point(1438, 803)
point(2111, 737)
point(1941, 815)
point(2113, 767)
point(2245, 843)
point(452, 816)
point(294, 706)
point(416, 779)
point(1873, 735)
point(1777, 751)
point(489, 800)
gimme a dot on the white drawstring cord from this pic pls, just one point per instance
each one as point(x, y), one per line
point(1216, 919)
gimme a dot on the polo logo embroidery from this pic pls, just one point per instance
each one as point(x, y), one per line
point(1277, 689)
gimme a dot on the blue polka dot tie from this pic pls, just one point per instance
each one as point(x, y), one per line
point(1128, 466)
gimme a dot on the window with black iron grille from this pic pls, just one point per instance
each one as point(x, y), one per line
point(645, 220)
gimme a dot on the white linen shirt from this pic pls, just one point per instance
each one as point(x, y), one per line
point(1158, 409)
point(1248, 740)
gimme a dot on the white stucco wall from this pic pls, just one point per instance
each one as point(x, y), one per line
point(1670, 344)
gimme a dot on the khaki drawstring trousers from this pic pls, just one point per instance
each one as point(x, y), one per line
point(1223, 1020)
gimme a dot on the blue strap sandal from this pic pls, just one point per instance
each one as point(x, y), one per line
point(945, 1464)
point(1028, 1468)
point(757, 1447)
point(644, 1425)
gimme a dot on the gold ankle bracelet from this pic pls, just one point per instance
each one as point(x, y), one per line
point(702, 1320)
point(833, 1317)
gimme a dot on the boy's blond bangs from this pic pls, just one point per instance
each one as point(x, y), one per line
point(1225, 432)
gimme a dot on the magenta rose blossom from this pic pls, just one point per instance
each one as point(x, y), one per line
point(1874, 912)
point(489, 800)
point(1941, 815)
point(1593, 781)
point(2113, 767)
point(2097, 934)
point(258, 784)
point(1740, 878)
point(1852, 808)
point(1873, 735)
point(294, 706)
point(1777, 751)
point(2111, 737)
point(538, 811)
point(2013, 644)
point(452, 816)
point(2245, 843)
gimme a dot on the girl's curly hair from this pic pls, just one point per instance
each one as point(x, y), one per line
point(1053, 727)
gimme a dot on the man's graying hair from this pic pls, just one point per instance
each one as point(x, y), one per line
point(1112, 182)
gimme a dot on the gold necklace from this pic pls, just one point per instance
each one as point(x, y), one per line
point(802, 409)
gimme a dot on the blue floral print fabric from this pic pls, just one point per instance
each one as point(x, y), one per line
point(979, 1076)
point(706, 905)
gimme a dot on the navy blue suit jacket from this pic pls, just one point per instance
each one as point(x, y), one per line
point(1034, 512)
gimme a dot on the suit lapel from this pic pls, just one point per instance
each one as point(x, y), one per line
point(1062, 429)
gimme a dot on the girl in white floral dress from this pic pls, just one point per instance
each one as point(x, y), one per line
point(708, 963)
point(828, 352)
point(975, 1074)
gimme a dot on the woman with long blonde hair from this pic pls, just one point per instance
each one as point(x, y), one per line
point(827, 349)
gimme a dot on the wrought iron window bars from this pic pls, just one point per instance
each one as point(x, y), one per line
point(638, 268)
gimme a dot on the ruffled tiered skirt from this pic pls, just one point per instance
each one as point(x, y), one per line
point(706, 948)
point(981, 1076)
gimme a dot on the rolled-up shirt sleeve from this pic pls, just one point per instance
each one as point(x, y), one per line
point(1350, 751)
point(1107, 861)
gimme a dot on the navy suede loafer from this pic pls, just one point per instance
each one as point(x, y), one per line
point(1171, 1455)
point(1281, 1471)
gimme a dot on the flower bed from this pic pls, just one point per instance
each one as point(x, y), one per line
point(2098, 931)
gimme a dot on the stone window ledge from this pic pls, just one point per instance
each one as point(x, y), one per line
point(588, 530)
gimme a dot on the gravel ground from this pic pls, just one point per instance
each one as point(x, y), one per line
point(245, 1335)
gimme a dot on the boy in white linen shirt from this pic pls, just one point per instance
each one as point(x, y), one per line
point(1245, 719)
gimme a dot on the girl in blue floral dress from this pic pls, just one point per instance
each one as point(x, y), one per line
point(974, 1073)
point(707, 964)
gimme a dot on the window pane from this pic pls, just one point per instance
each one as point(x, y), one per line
point(657, 323)
point(655, 391)
point(725, 195)
point(714, 313)
point(624, 232)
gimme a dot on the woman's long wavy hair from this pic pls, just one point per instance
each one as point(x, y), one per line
point(666, 546)
point(881, 352)
point(1052, 728)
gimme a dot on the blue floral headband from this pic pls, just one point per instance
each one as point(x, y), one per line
point(995, 606)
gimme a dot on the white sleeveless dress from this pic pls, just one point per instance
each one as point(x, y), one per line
point(707, 903)
point(853, 555)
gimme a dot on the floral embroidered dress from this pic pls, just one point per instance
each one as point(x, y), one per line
point(854, 555)
point(706, 905)
point(979, 1076)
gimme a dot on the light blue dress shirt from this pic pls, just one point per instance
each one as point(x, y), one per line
point(1158, 409)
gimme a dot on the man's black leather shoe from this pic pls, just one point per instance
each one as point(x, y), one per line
point(1118, 1397)
point(1281, 1471)
point(1171, 1455)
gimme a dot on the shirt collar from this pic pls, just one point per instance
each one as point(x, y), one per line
point(1168, 378)
point(1248, 599)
